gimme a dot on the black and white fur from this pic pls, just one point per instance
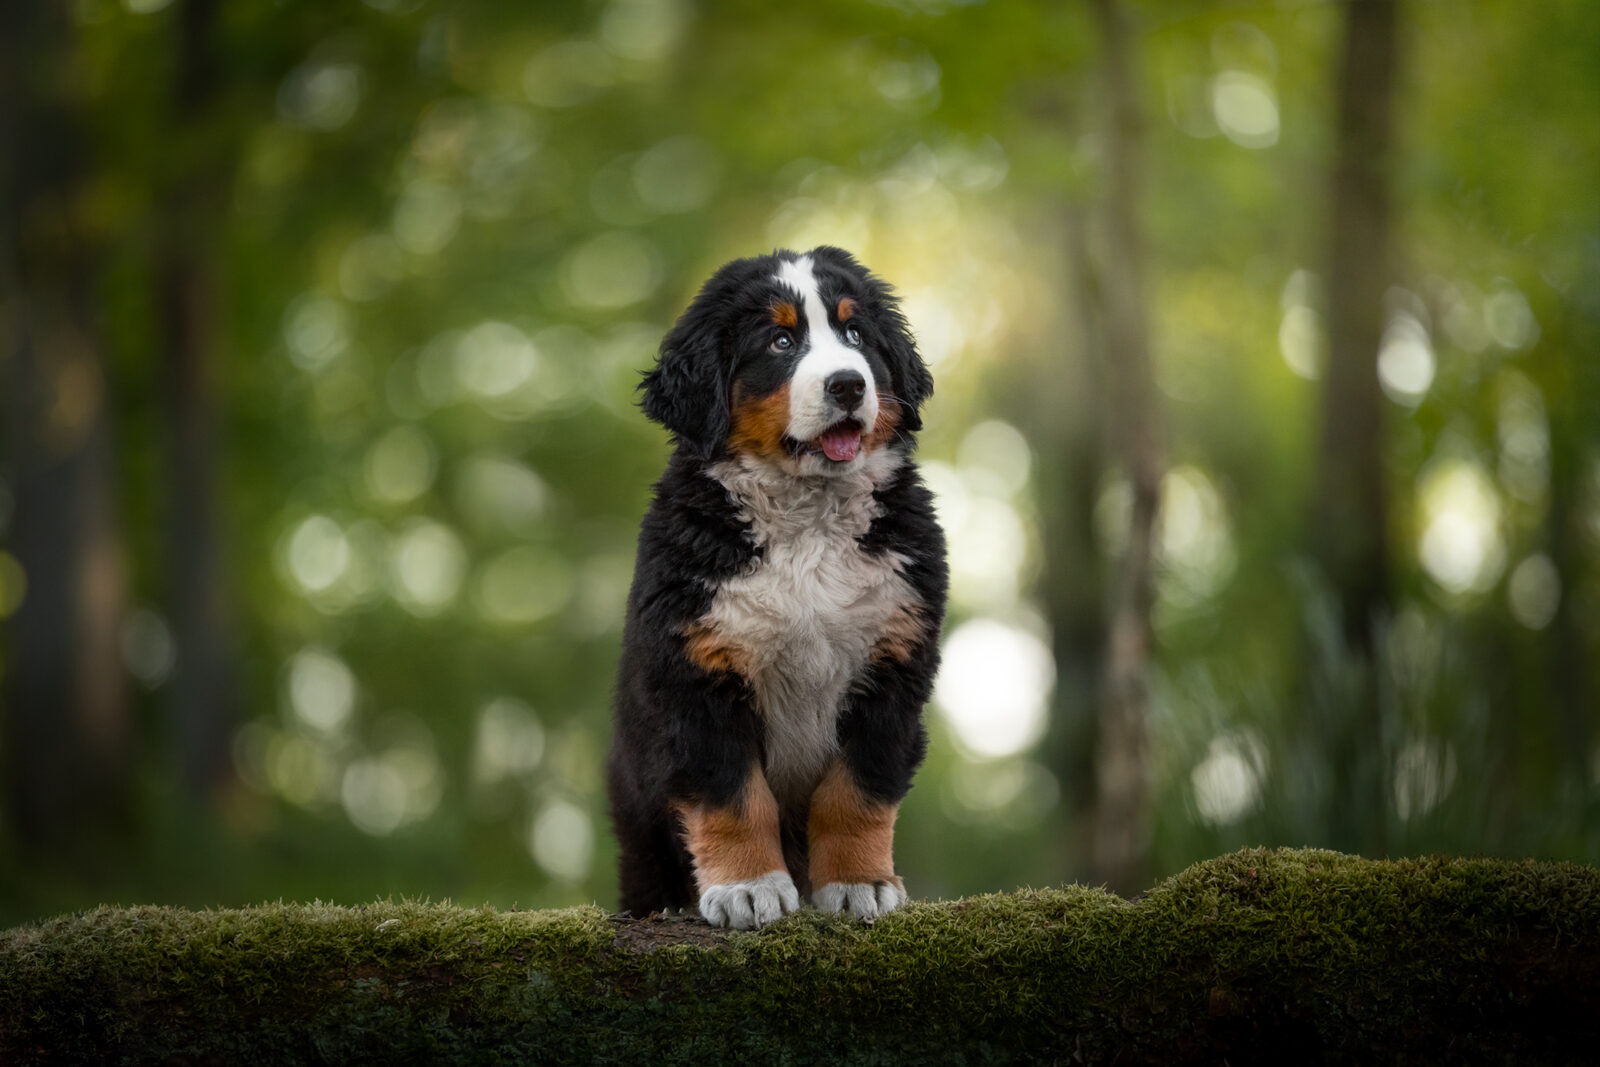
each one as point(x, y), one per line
point(782, 628)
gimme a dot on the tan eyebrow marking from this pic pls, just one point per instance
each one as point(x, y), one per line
point(784, 314)
point(847, 307)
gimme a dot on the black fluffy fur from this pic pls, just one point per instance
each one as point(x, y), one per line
point(681, 733)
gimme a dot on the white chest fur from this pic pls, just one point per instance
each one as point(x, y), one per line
point(809, 611)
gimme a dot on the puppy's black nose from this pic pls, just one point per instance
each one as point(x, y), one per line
point(846, 387)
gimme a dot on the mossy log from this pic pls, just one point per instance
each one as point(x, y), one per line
point(1240, 958)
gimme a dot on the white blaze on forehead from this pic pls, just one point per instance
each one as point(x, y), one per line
point(810, 411)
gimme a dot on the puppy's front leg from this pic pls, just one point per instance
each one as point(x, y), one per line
point(738, 857)
point(852, 848)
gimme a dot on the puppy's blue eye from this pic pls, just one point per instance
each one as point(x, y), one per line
point(783, 342)
point(852, 336)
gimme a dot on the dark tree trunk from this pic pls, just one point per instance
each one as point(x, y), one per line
point(1350, 514)
point(201, 697)
point(1572, 405)
point(1121, 829)
point(68, 741)
point(1074, 578)
point(1058, 398)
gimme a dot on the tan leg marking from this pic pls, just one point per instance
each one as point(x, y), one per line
point(737, 843)
point(852, 835)
point(758, 423)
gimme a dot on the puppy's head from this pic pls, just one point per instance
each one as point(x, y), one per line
point(801, 360)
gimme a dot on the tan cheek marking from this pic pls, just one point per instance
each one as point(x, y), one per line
point(847, 307)
point(906, 630)
point(710, 651)
point(852, 836)
point(883, 430)
point(736, 843)
point(784, 314)
point(759, 423)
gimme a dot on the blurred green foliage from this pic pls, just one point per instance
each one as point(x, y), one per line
point(445, 237)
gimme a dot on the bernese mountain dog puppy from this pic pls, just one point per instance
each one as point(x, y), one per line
point(783, 623)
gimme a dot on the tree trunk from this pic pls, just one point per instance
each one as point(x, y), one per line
point(201, 697)
point(1121, 829)
point(68, 740)
point(1350, 515)
point(1061, 401)
point(1571, 408)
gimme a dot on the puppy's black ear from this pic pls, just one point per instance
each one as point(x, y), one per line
point(912, 382)
point(687, 390)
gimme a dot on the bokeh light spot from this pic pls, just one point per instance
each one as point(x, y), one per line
point(496, 493)
point(370, 267)
point(677, 175)
point(374, 796)
point(561, 841)
point(993, 687)
point(1523, 430)
point(301, 770)
point(321, 689)
point(1461, 547)
point(1534, 591)
point(426, 216)
point(400, 465)
point(1509, 319)
point(1302, 342)
point(1246, 109)
point(987, 551)
point(906, 78)
point(316, 329)
point(940, 336)
point(148, 649)
point(1227, 782)
point(567, 74)
point(317, 554)
point(995, 452)
point(320, 95)
point(1195, 541)
point(494, 358)
point(428, 563)
point(1002, 794)
point(611, 271)
point(523, 585)
point(510, 741)
point(1405, 360)
point(643, 30)
point(1424, 772)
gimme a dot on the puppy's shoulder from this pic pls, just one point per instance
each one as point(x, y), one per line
point(691, 539)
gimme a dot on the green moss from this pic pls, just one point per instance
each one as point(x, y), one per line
point(1427, 960)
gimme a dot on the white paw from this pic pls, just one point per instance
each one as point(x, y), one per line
point(863, 900)
point(747, 905)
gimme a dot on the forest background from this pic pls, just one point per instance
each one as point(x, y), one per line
point(1266, 428)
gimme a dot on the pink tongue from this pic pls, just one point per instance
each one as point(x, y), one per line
point(841, 444)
